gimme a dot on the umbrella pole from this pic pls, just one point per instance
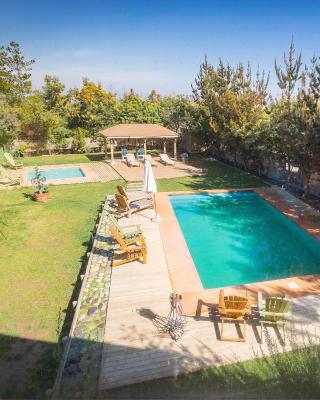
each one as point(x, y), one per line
point(157, 217)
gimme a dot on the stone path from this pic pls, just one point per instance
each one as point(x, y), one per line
point(79, 370)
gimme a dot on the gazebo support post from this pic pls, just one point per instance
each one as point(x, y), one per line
point(112, 154)
point(164, 147)
point(145, 146)
point(105, 142)
point(175, 149)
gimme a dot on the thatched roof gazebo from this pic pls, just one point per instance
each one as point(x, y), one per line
point(137, 131)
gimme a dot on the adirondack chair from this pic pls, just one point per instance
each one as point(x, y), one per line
point(11, 162)
point(233, 308)
point(126, 232)
point(130, 250)
point(274, 310)
point(124, 153)
point(135, 206)
point(140, 154)
point(132, 196)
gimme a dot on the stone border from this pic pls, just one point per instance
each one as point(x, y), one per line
point(79, 368)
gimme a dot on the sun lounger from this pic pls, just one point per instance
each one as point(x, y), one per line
point(135, 206)
point(232, 308)
point(11, 162)
point(166, 160)
point(152, 162)
point(274, 310)
point(126, 232)
point(5, 178)
point(131, 160)
point(130, 250)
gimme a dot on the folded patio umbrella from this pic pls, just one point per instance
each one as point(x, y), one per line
point(150, 186)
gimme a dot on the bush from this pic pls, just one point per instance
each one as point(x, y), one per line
point(79, 140)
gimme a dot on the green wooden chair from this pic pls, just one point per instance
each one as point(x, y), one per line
point(11, 162)
point(275, 311)
point(126, 232)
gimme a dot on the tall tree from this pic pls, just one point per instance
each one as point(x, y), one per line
point(289, 75)
point(52, 93)
point(15, 71)
point(308, 148)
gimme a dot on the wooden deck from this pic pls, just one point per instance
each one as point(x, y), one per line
point(134, 351)
point(180, 170)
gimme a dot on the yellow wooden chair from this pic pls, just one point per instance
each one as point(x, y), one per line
point(130, 249)
point(233, 308)
point(135, 206)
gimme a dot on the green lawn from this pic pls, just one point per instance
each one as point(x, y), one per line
point(61, 159)
point(219, 176)
point(40, 261)
point(42, 257)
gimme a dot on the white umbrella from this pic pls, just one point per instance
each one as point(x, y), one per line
point(150, 186)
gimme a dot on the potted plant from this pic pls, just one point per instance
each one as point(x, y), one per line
point(39, 182)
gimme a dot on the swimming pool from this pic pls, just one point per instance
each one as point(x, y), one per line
point(58, 173)
point(237, 238)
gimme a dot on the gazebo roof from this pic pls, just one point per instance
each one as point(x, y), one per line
point(137, 131)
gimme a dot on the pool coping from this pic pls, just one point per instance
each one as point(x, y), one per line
point(196, 299)
point(90, 176)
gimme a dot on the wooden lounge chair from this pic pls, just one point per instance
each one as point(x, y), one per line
point(166, 160)
point(132, 196)
point(126, 232)
point(11, 162)
point(152, 162)
point(233, 308)
point(135, 206)
point(131, 160)
point(130, 250)
point(274, 310)
point(5, 178)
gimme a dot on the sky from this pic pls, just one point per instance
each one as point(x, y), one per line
point(155, 44)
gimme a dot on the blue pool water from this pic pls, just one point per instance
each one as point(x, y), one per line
point(58, 173)
point(238, 238)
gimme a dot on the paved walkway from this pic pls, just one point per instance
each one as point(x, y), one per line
point(180, 170)
point(134, 351)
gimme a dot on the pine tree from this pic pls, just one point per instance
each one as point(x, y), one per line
point(289, 76)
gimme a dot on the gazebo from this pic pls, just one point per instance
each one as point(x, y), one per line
point(138, 132)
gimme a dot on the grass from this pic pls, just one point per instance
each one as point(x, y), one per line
point(219, 176)
point(61, 159)
point(41, 259)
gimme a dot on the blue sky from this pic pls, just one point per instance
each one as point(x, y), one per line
point(155, 44)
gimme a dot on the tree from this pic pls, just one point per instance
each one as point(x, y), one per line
point(52, 94)
point(92, 108)
point(15, 71)
point(36, 121)
point(290, 74)
point(134, 109)
point(232, 104)
point(9, 124)
point(308, 148)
